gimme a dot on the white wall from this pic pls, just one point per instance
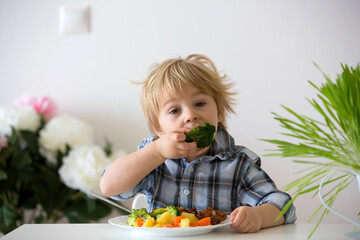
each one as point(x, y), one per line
point(266, 47)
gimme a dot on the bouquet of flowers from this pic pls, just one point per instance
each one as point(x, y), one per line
point(48, 165)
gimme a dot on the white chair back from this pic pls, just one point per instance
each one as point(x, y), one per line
point(139, 202)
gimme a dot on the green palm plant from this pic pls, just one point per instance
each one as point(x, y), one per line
point(336, 138)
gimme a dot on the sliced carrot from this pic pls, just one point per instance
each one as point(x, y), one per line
point(194, 224)
point(177, 220)
point(167, 226)
point(204, 222)
point(140, 222)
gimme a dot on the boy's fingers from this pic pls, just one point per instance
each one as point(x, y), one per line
point(245, 226)
point(179, 137)
point(233, 214)
point(239, 218)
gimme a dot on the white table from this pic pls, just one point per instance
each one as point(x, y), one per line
point(107, 231)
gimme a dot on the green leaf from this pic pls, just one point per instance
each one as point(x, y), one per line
point(108, 149)
point(14, 137)
point(91, 204)
point(60, 155)
point(23, 160)
point(3, 175)
point(39, 219)
point(336, 137)
point(6, 153)
point(8, 216)
point(41, 194)
point(31, 140)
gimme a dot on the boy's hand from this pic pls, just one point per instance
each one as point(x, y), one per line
point(173, 145)
point(245, 219)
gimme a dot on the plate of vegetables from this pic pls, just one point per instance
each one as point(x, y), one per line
point(170, 221)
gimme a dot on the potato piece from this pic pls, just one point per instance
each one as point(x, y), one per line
point(149, 222)
point(158, 225)
point(165, 218)
point(185, 222)
point(190, 216)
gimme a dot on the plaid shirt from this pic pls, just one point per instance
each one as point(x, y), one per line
point(228, 177)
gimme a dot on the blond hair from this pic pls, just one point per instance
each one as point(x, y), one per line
point(171, 75)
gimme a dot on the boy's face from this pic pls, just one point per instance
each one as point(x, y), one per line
point(184, 111)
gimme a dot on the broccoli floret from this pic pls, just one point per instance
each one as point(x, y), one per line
point(203, 135)
point(173, 210)
point(131, 219)
point(142, 213)
point(157, 212)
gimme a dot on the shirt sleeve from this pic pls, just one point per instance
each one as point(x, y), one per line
point(139, 188)
point(257, 188)
point(143, 185)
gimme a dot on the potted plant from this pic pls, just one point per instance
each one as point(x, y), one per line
point(336, 138)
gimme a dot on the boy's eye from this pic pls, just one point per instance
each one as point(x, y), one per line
point(174, 111)
point(200, 104)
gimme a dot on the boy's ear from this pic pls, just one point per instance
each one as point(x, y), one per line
point(220, 117)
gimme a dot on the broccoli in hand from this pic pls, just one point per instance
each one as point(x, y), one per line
point(203, 135)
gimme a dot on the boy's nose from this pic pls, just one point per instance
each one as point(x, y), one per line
point(190, 116)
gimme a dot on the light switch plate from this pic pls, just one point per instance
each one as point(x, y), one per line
point(75, 19)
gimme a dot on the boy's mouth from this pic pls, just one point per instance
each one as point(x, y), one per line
point(188, 129)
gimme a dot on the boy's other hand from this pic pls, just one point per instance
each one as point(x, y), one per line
point(173, 145)
point(245, 219)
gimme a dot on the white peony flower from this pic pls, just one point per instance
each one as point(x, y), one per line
point(24, 118)
point(62, 130)
point(83, 167)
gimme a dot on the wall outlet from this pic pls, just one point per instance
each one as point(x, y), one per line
point(75, 19)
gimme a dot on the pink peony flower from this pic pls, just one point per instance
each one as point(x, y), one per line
point(47, 107)
point(44, 106)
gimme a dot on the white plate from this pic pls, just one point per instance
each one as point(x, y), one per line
point(121, 222)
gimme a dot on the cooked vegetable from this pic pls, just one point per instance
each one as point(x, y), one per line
point(173, 210)
point(193, 224)
point(132, 219)
point(185, 222)
point(165, 218)
point(140, 222)
point(203, 135)
point(169, 217)
point(142, 213)
point(204, 222)
point(177, 220)
point(190, 216)
point(168, 226)
point(149, 222)
point(157, 212)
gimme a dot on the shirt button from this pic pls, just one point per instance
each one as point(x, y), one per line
point(191, 169)
point(186, 192)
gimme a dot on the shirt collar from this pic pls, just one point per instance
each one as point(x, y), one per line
point(222, 147)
